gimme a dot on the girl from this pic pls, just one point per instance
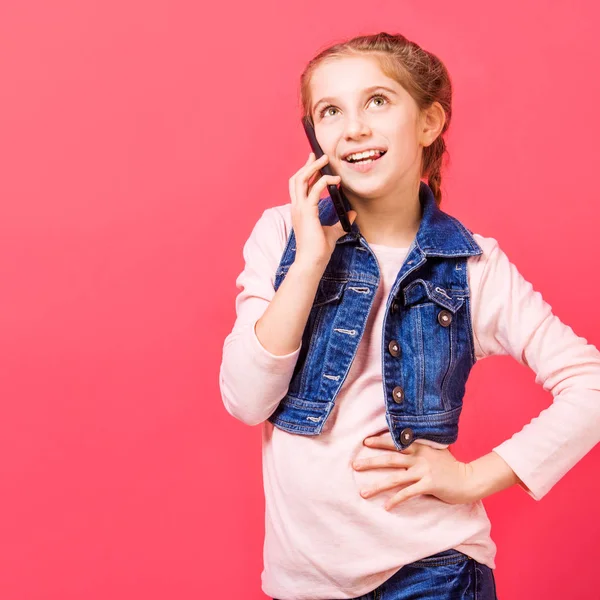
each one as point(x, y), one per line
point(353, 349)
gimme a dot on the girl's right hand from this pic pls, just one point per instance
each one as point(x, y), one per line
point(314, 242)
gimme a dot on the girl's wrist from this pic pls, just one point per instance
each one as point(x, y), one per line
point(308, 268)
point(490, 474)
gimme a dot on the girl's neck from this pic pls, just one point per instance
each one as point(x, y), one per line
point(392, 221)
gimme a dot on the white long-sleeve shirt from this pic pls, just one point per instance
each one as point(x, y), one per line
point(322, 539)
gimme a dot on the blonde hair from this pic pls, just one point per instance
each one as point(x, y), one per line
point(421, 73)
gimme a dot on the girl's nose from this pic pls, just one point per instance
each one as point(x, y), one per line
point(356, 126)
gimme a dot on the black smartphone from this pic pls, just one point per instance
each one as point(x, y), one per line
point(337, 195)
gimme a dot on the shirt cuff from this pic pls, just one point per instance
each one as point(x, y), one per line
point(511, 455)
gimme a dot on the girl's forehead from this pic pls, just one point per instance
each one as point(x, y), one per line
point(349, 76)
point(347, 68)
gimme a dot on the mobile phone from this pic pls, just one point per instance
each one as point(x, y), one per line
point(336, 194)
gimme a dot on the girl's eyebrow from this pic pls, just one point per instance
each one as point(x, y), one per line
point(365, 91)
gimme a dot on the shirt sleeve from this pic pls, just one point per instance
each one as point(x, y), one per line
point(514, 319)
point(252, 380)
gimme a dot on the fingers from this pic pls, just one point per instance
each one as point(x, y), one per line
point(400, 478)
point(292, 180)
point(315, 177)
point(411, 491)
point(391, 460)
point(311, 158)
point(299, 186)
point(308, 171)
point(385, 440)
point(295, 176)
point(314, 194)
point(380, 441)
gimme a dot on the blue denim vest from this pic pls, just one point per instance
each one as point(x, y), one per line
point(427, 337)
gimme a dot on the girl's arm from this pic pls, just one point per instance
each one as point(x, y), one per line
point(510, 317)
point(260, 353)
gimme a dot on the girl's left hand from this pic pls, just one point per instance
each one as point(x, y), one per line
point(425, 469)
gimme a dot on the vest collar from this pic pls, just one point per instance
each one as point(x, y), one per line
point(439, 234)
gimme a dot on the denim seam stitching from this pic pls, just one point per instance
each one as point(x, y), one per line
point(451, 365)
point(439, 562)
point(471, 335)
point(421, 361)
point(294, 425)
point(315, 329)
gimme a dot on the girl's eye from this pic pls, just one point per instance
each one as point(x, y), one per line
point(329, 106)
point(322, 113)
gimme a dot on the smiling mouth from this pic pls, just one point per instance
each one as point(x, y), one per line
point(368, 159)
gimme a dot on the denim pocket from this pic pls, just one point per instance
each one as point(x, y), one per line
point(429, 322)
point(329, 290)
point(326, 303)
point(443, 576)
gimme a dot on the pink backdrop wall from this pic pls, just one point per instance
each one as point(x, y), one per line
point(139, 143)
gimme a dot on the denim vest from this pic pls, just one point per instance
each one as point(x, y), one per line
point(427, 348)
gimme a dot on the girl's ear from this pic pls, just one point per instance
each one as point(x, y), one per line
point(432, 121)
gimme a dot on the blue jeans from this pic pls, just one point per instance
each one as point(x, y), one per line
point(447, 575)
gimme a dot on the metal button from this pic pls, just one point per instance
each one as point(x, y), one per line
point(394, 348)
point(394, 307)
point(398, 394)
point(444, 318)
point(407, 435)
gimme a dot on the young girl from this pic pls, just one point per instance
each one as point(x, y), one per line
point(353, 351)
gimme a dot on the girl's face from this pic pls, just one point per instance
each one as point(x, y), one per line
point(356, 107)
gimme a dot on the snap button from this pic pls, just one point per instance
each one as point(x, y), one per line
point(394, 307)
point(398, 394)
point(444, 318)
point(394, 348)
point(407, 435)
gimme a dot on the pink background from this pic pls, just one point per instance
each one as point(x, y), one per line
point(139, 144)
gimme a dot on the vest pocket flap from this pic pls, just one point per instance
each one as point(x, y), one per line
point(420, 291)
point(329, 290)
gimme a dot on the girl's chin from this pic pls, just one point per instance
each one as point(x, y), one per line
point(368, 180)
point(364, 191)
point(363, 195)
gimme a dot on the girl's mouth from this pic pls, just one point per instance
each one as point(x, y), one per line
point(363, 166)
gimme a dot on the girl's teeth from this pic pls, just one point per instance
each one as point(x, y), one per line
point(365, 157)
point(366, 160)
